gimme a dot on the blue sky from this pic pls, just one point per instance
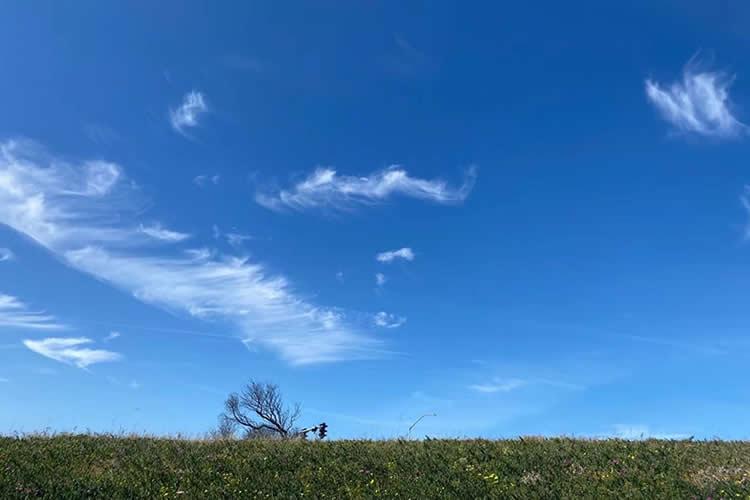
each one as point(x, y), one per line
point(527, 219)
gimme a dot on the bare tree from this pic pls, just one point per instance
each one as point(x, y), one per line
point(225, 430)
point(260, 410)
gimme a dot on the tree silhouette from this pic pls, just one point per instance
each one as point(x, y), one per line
point(260, 411)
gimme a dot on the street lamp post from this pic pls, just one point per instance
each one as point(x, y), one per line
point(420, 418)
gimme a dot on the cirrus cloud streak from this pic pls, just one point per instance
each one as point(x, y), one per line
point(69, 350)
point(82, 213)
point(699, 103)
point(326, 189)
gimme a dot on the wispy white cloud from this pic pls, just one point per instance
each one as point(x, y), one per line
point(68, 350)
point(340, 276)
point(388, 320)
point(4, 380)
point(236, 240)
point(15, 314)
point(188, 114)
point(499, 385)
point(159, 233)
point(5, 254)
point(325, 189)
point(111, 336)
point(391, 255)
point(60, 204)
point(380, 279)
point(133, 384)
point(699, 103)
point(82, 215)
point(202, 180)
point(101, 134)
point(263, 307)
point(635, 432)
point(199, 254)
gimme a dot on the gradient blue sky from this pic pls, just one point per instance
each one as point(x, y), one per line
point(527, 219)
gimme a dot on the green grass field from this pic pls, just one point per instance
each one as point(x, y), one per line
point(73, 467)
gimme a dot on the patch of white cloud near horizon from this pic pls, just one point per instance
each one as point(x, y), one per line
point(699, 103)
point(635, 432)
point(15, 314)
point(188, 113)
point(5, 254)
point(380, 279)
point(388, 320)
point(391, 255)
point(499, 385)
point(159, 233)
point(325, 189)
point(68, 350)
point(77, 212)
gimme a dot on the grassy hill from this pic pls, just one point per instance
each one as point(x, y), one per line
point(81, 466)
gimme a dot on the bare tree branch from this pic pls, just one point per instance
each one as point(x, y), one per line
point(226, 428)
point(265, 402)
